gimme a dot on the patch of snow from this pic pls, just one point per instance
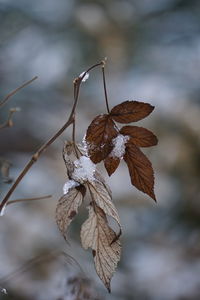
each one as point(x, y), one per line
point(85, 146)
point(119, 145)
point(69, 185)
point(3, 290)
point(84, 170)
point(3, 211)
point(86, 76)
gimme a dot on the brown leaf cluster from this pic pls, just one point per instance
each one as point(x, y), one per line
point(101, 136)
point(95, 232)
point(104, 141)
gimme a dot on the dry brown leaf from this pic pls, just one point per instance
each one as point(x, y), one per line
point(100, 178)
point(67, 151)
point(96, 234)
point(102, 197)
point(130, 111)
point(111, 163)
point(99, 137)
point(140, 169)
point(141, 136)
point(67, 208)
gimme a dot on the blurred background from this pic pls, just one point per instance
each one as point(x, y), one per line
point(153, 55)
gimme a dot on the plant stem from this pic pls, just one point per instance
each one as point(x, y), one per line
point(104, 86)
point(28, 199)
point(37, 154)
point(16, 90)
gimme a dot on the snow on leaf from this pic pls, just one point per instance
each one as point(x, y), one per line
point(112, 161)
point(96, 234)
point(119, 145)
point(68, 185)
point(140, 169)
point(130, 111)
point(102, 198)
point(141, 137)
point(67, 208)
point(99, 137)
point(84, 170)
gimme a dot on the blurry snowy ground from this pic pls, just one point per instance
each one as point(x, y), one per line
point(153, 50)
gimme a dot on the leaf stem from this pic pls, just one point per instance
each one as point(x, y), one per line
point(104, 85)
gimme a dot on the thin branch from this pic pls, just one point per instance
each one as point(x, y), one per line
point(42, 258)
point(9, 122)
point(37, 154)
point(3, 102)
point(104, 85)
point(28, 199)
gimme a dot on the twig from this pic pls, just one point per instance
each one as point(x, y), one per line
point(53, 255)
point(104, 84)
point(37, 154)
point(9, 122)
point(28, 199)
point(3, 102)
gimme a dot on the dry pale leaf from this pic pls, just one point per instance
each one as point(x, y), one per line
point(102, 197)
point(96, 234)
point(67, 208)
point(67, 151)
point(141, 137)
point(100, 178)
point(140, 169)
point(99, 137)
point(130, 111)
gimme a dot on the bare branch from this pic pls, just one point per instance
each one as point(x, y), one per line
point(37, 154)
point(3, 102)
point(28, 199)
point(9, 122)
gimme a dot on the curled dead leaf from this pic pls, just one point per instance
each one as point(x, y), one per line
point(130, 111)
point(101, 196)
point(97, 235)
point(141, 137)
point(140, 169)
point(99, 137)
point(67, 208)
point(67, 151)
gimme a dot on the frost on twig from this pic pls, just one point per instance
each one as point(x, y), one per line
point(2, 212)
point(84, 77)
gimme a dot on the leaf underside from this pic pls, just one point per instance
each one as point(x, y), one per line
point(67, 208)
point(97, 235)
